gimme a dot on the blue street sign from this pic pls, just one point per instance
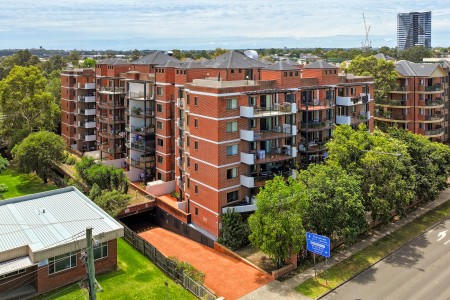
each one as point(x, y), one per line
point(318, 244)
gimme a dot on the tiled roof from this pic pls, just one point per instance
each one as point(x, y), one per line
point(155, 58)
point(113, 61)
point(234, 60)
point(169, 64)
point(191, 64)
point(321, 64)
point(281, 66)
point(407, 68)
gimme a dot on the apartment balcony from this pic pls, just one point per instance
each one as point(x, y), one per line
point(87, 112)
point(430, 103)
point(434, 132)
point(260, 179)
point(181, 103)
point(140, 113)
point(434, 88)
point(280, 131)
point(434, 118)
point(313, 146)
point(140, 96)
point(180, 143)
point(141, 130)
point(141, 147)
point(111, 90)
point(352, 120)
point(89, 124)
point(144, 162)
point(111, 120)
point(315, 104)
point(180, 124)
point(241, 206)
point(111, 105)
point(112, 150)
point(87, 137)
point(180, 164)
point(272, 111)
point(316, 125)
point(86, 99)
point(355, 100)
point(263, 157)
point(390, 117)
point(86, 86)
point(401, 90)
point(392, 103)
point(110, 134)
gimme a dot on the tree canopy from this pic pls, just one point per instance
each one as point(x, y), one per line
point(25, 104)
point(383, 72)
point(277, 224)
point(38, 152)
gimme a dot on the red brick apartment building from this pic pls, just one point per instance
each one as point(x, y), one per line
point(219, 129)
point(420, 102)
point(42, 244)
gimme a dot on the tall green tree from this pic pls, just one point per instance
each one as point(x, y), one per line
point(415, 54)
point(38, 153)
point(335, 202)
point(383, 72)
point(88, 63)
point(135, 54)
point(113, 202)
point(234, 232)
point(3, 166)
point(277, 224)
point(384, 165)
point(25, 104)
point(22, 58)
point(74, 58)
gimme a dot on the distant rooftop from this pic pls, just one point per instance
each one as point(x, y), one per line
point(321, 64)
point(282, 65)
point(155, 58)
point(113, 61)
point(407, 68)
point(234, 60)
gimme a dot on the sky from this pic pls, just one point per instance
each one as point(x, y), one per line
point(202, 24)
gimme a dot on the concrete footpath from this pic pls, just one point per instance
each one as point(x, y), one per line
point(285, 290)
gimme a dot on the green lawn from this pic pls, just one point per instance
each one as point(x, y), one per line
point(137, 278)
point(360, 261)
point(23, 184)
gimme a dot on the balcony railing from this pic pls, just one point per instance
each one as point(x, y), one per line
point(112, 150)
point(142, 163)
point(140, 96)
point(316, 125)
point(139, 113)
point(180, 124)
point(86, 99)
point(388, 115)
point(392, 102)
point(275, 109)
point(141, 130)
point(437, 131)
point(115, 119)
point(313, 146)
point(141, 147)
point(111, 105)
point(433, 88)
point(435, 117)
point(180, 103)
point(111, 90)
point(435, 102)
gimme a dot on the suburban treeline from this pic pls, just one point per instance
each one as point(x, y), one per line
point(368, 178)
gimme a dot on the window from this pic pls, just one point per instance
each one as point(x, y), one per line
point(159, 176)
point(232, 71)
point(159, 125)
point(195, 167)
point(232, 196)
point(285, 74)
point(195, 123)
point(159, 108)
point(160, 159)
point(160, 142)
point(159, 91)
point(195, 101)
point(188, 182)
point(232, 150)
point(296, 73)
point(253, 123)
point(188, 161)
point(12, 273)
point(101, 251)
point(62, 262)
point(188, 141)
point(196, 211)
point(196, 145)
point(196, 189)
point(188, 120)
point(232, 126)
point(232, 173)
point(232, 104)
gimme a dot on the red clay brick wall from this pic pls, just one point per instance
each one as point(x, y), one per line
point(46, 282)
point(13, 282)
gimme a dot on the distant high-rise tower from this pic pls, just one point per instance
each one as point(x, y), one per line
point(413, 29)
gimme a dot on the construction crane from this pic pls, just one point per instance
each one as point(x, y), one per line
point(366, 45)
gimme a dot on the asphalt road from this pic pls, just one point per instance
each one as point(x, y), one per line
point(418, 270)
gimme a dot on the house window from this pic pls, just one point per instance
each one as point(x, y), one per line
point(232, 196)
point(159, 108)
point(296, 73)
point(62, 262)
point(196, 211)
point(14, 273)
point(188, 141)
point(160, 142)
point(232, 126)
point(188, 183)
point(232, 71)
point(159, 125)
point(232, 150)
point(195, 123)
point(196, 145)
point(159, 91)
point(232, 173)
point(196, 189)
point(195, 167)
point(285, 74)
point(160, 159)
point(195, 101)
point(101, 251)
point(159, 176)
point(232, 104)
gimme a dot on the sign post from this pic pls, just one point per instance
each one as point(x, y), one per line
point(318, 244)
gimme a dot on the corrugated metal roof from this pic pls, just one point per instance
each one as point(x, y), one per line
point(50, 219)
point(15, 264)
